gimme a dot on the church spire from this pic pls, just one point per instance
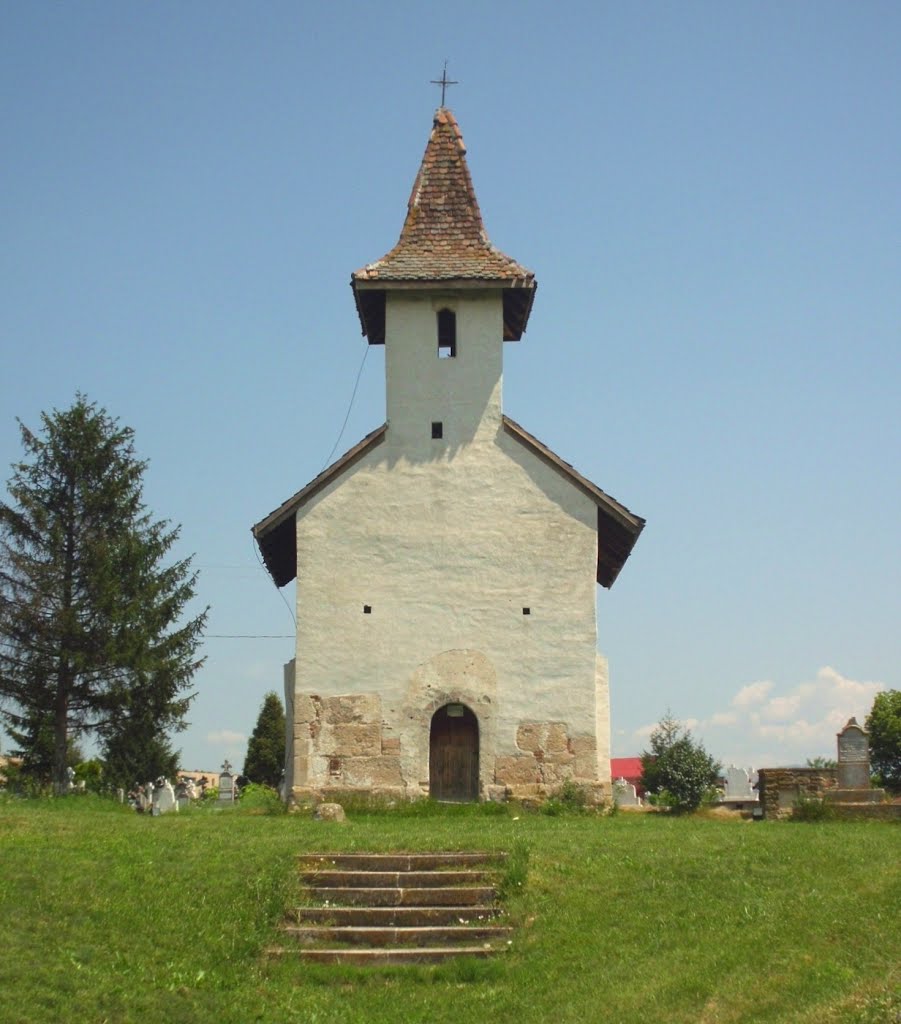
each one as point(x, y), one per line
point(443, 240)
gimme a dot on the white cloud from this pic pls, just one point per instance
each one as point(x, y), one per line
point(226, 737)
point(767, 726)
point(753, 693)
point(643, 732)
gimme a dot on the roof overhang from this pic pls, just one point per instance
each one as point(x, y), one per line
point(518, 295)
point(276, 535)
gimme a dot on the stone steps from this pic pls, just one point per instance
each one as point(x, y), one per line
point(396, 908)
point(423, 935)
point(321, 879)
point(393, 917)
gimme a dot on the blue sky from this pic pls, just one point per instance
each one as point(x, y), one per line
point(709, 196)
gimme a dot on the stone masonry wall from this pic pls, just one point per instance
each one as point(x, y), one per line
point(781, 788)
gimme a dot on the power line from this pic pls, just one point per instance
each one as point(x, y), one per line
point(248, 636)
point(349, 407)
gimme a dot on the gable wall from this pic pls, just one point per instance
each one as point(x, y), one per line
point(447, 542)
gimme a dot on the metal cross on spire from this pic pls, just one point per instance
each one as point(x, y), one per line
point(444, 82)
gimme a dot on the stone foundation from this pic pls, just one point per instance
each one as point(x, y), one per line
point(342, 746)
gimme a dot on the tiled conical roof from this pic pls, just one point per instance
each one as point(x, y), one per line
point(443, 238)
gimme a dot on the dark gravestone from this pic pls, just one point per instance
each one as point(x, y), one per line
point(853, 757)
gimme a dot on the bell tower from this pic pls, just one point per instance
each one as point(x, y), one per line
point(443, 301)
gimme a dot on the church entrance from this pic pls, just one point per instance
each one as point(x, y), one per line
point(454, 754)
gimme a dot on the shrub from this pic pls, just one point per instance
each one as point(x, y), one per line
point(677, 767)
point(812, 808)
point(884, 727)
point(257, 799)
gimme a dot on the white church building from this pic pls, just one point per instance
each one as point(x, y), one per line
point(446, 565)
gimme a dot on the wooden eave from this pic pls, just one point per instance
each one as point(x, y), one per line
point(276, 535)
point(517, 293)
point(618, 528)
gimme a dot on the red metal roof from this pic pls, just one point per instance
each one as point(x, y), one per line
point(628, 768)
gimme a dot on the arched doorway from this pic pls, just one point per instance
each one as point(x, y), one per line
point(454, 754)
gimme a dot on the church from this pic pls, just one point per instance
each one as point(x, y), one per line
point(446, 565)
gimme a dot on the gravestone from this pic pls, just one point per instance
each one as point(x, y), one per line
point(854, 769)
point(226, 785)
point(163, 797)
point(738, 785)
point(182, 795)
point(625, 794)
point(853, 757)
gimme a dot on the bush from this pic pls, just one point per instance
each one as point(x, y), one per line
point(884, 727)
point(257, 799)
point(812, 808)
point(677, 767)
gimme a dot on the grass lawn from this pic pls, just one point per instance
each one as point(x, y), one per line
point(111, 916)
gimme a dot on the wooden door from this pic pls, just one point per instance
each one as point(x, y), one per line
point(454, 754)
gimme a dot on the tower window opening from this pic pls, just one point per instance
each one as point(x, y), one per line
point(437, 430)
point(447, 334)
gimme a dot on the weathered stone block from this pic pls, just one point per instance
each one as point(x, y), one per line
point(528, 736)
point(516, 769)
point(585, 765)
point(390, 745)
point(301, 771)
point(306, 708)
point(348, 708)
point(330, 812)
point(379, 773)
point(557, 741)
point(353, 740)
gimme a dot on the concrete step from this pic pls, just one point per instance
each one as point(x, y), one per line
point(390, 917)
point(446, 896)
point(401, 861)
point(429, 935)
point(394, 879)
point(383, 957)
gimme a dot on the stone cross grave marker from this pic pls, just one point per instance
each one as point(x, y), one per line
point(226, 785)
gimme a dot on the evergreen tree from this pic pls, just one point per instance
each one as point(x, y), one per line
point(884, 728)
point(266, 749)
point(677, 765)
point(89, 613)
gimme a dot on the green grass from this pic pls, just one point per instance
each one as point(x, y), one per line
point(111, 916)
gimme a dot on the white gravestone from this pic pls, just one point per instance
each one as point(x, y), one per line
point(625, 794)
point(164, 797)
point(738, 784)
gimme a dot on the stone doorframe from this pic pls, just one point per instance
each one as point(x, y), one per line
point(451, 677)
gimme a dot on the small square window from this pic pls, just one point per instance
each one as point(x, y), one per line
point(437, 430)
point(367, 609)
point(527, 611)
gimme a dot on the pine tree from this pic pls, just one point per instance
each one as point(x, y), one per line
point(90, 616)
point(266, 749)
point(678, 766)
